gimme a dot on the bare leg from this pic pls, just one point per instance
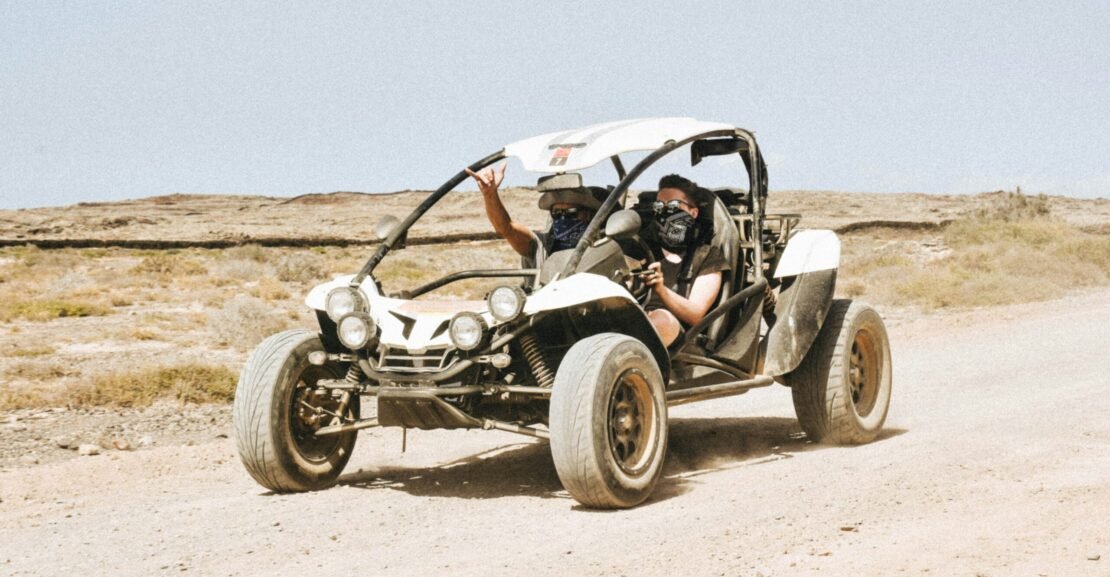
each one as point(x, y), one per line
point(666, 325)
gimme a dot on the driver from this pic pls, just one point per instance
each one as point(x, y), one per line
point(571, 211)
point(687, 280)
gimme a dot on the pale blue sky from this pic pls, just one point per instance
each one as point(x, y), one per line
point(113, 100)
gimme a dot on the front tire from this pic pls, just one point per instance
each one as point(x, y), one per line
point(609, 422)
point(274, 428)
point(842, 388)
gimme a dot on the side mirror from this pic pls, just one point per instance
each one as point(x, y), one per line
point(623, 224)
point(386, 225)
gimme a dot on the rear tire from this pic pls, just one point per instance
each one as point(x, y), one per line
point(275, 437)
point(609, 422)
point(842, 388)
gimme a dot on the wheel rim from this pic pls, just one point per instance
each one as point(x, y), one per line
point(632, 423)
point(305, 420)
point(864, 372)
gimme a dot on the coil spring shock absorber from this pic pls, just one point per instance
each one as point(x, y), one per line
point(354, 374)
point(532, 353)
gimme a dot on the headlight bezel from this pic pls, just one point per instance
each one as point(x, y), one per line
point(463, 317)
point(518, 294)
point(358, 303)
point(366, 320)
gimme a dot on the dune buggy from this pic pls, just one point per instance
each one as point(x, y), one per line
point(565, 351)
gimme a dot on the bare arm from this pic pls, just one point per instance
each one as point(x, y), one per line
point(702, 294)
point(518, 236)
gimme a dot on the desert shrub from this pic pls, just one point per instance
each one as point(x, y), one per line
point(31, 350)
point(244, 321)
point(190, 383)
point(240, 269)
point(168, 264)
point(1009, 206)
point(251, 252)
point(40, 370)
point(269, 289)
point(299, 267)
point(49, 309)
point(22, 398)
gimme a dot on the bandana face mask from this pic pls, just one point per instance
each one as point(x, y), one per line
point(676, 231)
point(566, 231)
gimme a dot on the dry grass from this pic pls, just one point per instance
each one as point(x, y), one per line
point(1011, 251)
point(269, 289)
point(244, 321)
point(169, 264)
point(49, 309)
point(192, 383)
point(31, 350)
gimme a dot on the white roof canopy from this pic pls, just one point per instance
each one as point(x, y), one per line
point(571, 150)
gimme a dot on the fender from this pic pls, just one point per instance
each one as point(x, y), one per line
point(808, 271)
point(595, 304)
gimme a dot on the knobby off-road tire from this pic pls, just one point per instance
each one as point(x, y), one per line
point(276, 445)
point(842, 388)
point(608, 422)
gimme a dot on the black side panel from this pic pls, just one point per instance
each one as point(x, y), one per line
point(329, 335)
point(741, 345)
point(803, 303)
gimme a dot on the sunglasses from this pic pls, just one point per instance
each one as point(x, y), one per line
point(670, 207)
point(571, 212)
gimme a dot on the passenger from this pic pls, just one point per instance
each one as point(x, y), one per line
point(687, 280)
point(571, 207)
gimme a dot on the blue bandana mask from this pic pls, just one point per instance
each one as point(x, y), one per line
point(566, 232)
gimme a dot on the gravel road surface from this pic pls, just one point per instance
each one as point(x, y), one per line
point(995, 461)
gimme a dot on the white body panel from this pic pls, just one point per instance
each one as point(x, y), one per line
point(571, 150)
point(573, 290)
point(809, 251)
point(427, 316)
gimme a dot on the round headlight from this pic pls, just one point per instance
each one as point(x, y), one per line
point(467, 331)
point(355, 330)
point(506, 302)
point(342, 301)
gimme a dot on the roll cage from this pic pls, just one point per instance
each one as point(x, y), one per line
point(713, 142)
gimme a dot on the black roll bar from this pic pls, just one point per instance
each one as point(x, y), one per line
point(468, 274)
point(735, 300)
point(399, 232)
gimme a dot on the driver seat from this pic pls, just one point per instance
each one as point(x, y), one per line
point(726, 238)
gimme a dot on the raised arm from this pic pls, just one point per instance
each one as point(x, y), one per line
point(518, 236)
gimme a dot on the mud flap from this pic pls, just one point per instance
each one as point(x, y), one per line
point(804, 301)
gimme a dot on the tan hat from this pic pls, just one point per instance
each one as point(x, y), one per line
point(586, 197)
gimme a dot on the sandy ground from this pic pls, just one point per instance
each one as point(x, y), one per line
point(995, 462)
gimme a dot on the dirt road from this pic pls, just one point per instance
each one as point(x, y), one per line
point(996, 461)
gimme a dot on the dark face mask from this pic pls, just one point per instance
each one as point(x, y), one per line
point(676, 231)
point(566, 232)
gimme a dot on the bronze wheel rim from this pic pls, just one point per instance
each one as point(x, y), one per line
point(309, 410)
point(864, 372)
point(632, 423)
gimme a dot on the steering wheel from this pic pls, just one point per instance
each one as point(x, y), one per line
point(640, 290)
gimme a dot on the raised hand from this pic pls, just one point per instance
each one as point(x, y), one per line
point(490, 178)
